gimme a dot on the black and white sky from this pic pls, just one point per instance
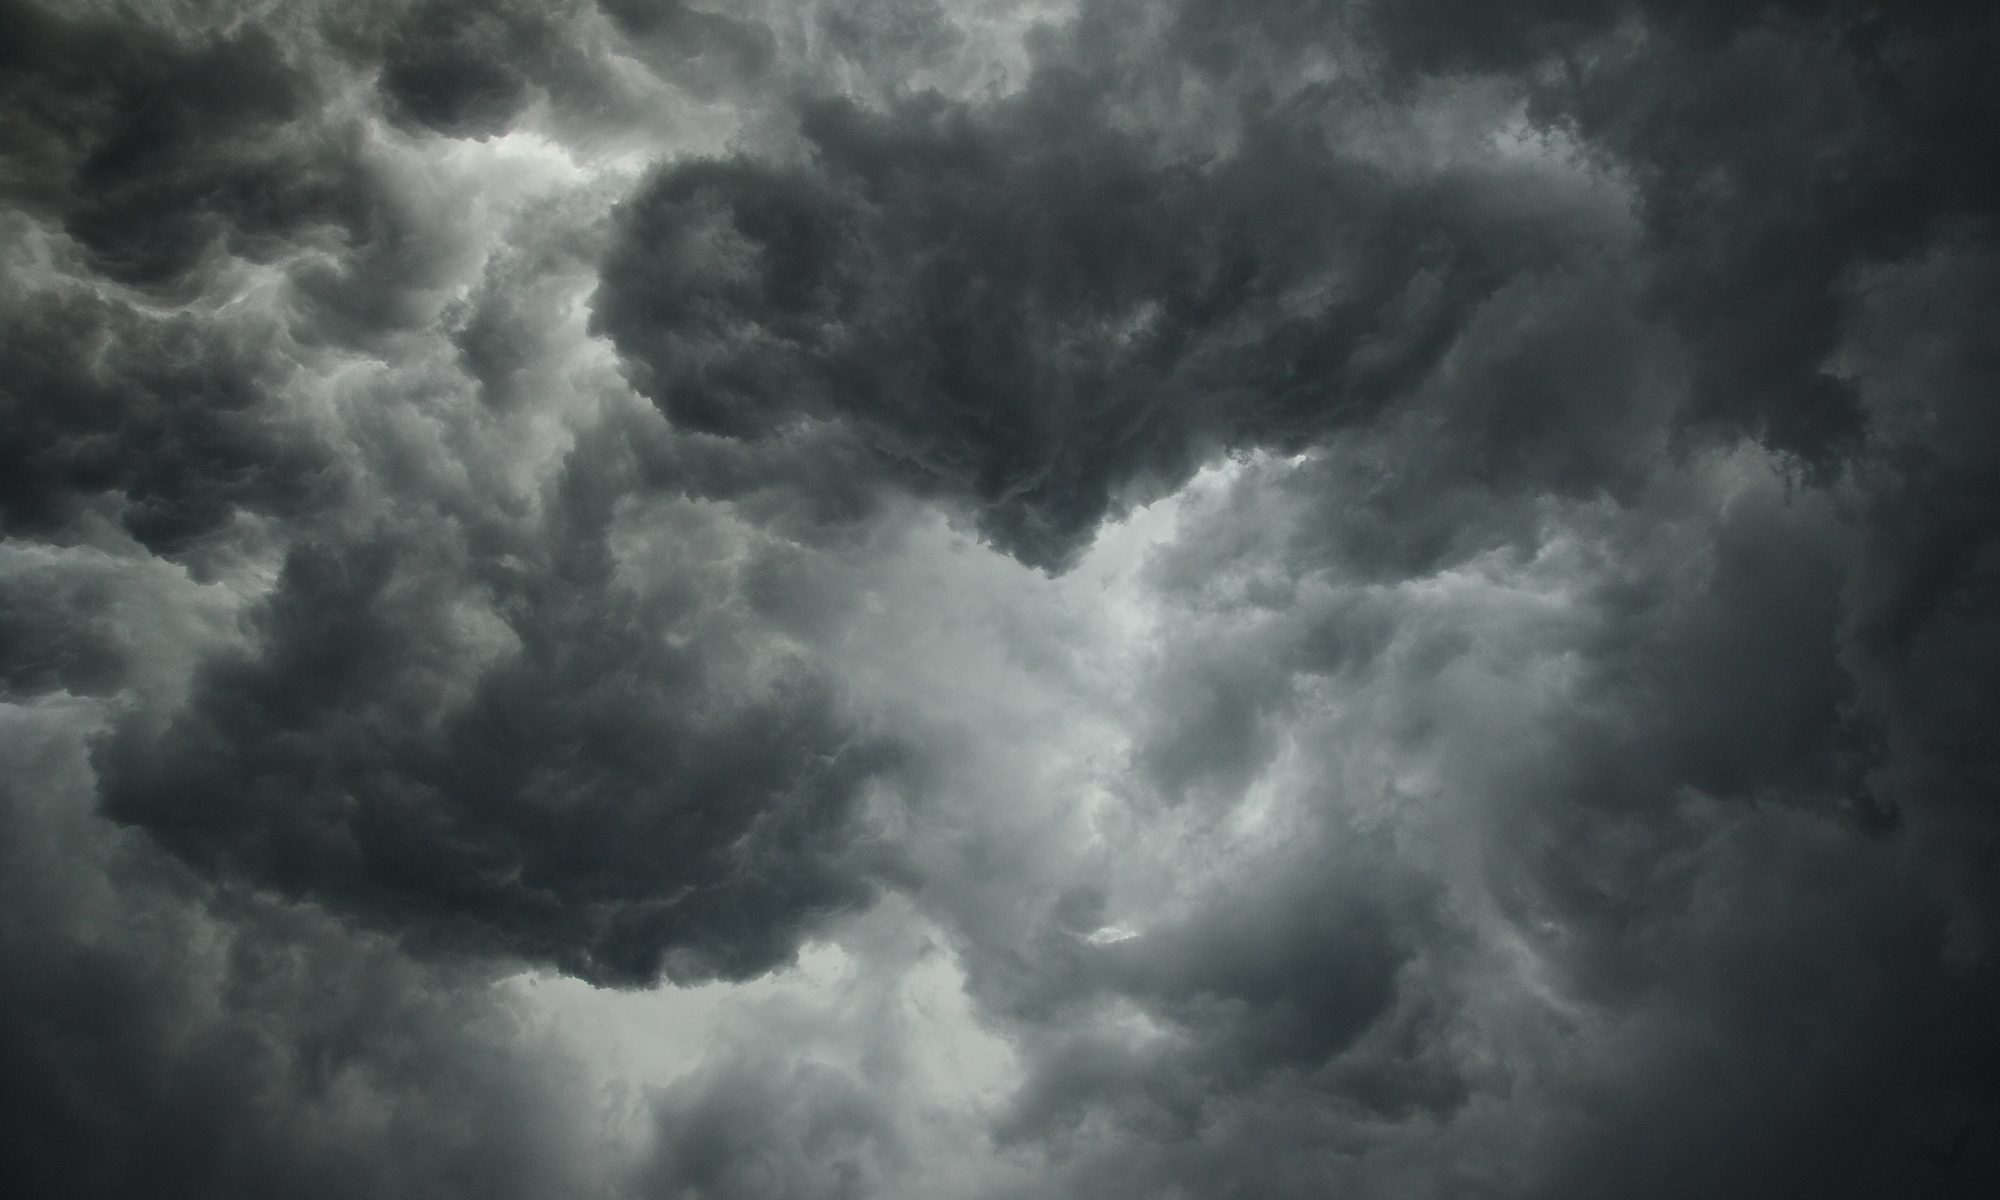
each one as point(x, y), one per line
point(999, 599)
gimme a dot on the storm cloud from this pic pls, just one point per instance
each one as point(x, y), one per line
point(999, 599)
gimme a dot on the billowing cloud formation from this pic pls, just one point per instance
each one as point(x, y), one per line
point(1019, 305)
point(888, 598)
point(550, 777)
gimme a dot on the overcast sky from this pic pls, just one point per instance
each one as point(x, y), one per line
point(999, 599)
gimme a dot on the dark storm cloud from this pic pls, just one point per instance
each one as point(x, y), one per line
point(149, 173)
point(156, 149)
point(464, 69)
point(1008, 326)
point(1553, 759)
point(476, 70)
point(454, 721)
point(492, 746)
point(167, 412)
point(1624, 817)
point(1735, 647)
point(1859, 150)
point(1705, 659)
point(1921, 629)
point(1838, 1096)
point(138, 166)
point(1777, 148)
point(1282, 983)
point(161, 1038)
point(1020, 307)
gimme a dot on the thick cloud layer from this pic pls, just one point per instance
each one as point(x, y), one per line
point(882, 598)
point(1021, 306)
point(548, 777)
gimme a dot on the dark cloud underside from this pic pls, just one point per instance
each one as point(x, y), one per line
point(1384, 598)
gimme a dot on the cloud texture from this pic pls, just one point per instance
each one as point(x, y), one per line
point(888, 598)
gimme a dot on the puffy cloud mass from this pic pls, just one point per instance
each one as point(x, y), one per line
point(1000, 598)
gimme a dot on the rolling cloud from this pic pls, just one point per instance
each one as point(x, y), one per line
point(885, 598)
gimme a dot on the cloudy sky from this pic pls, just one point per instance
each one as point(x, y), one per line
point(999, 599)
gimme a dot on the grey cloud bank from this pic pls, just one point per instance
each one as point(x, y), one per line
point(884, 598)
